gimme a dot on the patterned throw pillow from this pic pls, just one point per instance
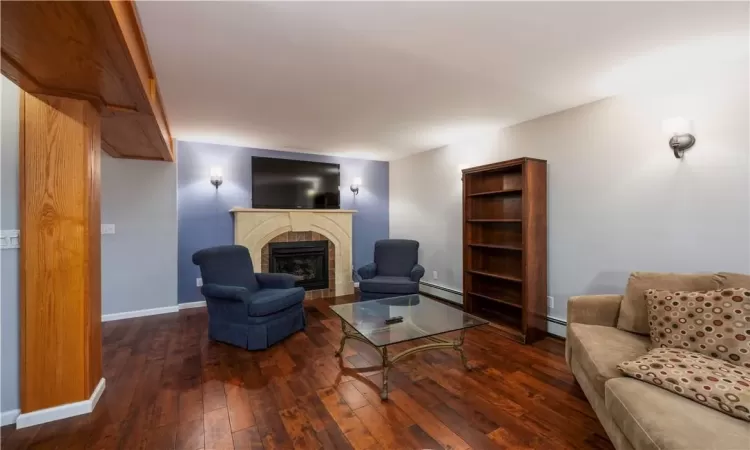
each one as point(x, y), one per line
point(709, 381)
point(712, 323)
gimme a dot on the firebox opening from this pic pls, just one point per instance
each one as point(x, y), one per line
point(306, 260)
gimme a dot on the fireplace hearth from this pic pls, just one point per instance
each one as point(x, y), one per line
point(306, 260)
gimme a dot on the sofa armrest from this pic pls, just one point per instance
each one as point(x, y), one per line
point(591, 310)
point(367, 271)
point(275, 280)
point(417, 272)
point(225, 292)
point(594, 309)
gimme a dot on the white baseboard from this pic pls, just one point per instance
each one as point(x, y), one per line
point(139, 313)
point(9, 417)
point(356, 284)
point(199, 304)
point(61, 412)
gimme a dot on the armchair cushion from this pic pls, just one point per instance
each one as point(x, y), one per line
point(227, 265)
point(268, 301)
point(225, 292)
point(417, 272)
point(396, 257)
point(367, 271)
point(389, 285)
point(275, 280)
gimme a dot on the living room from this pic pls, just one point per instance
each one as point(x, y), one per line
point(636, 115)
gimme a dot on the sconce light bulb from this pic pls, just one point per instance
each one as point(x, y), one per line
point(355, 185)
point(216, 177)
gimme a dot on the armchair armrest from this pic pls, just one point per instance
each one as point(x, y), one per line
point(367, 271)
point(225, 292)
point(594, 309)
point(275, 280)
point(417, 272)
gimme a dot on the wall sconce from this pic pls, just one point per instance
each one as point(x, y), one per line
point(216, 177)
point(681, 140)
point(355, 185)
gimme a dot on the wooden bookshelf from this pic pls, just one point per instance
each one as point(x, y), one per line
point(495, 275)
point(495, 246)
point(500, 192)
point(505, 246)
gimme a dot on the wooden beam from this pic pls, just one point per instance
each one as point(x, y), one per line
point(92, 51)
point(61, 349)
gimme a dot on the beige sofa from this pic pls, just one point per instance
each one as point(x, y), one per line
point(637, 415)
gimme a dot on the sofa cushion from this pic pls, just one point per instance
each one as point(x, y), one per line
point(656, 419)
point(269, 301)
point(709, 381)
point(732, 280)
point(600, 349)
point(633, 314)
point(389, 285)
point(713, 323)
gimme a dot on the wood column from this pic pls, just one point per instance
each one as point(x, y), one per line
point(61, 344)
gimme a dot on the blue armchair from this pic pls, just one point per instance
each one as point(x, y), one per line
point(247, 309)
point(395, 271)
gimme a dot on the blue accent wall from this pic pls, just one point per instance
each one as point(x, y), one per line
point(203, 211)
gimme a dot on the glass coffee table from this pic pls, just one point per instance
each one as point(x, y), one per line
point(422, 318)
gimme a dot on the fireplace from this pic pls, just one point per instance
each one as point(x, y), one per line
point(306, 260)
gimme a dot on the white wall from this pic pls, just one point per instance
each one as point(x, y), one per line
point(9, 394)
point(139, 261)
point(618, 199)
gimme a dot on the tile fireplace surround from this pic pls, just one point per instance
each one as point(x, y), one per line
point(255, 228)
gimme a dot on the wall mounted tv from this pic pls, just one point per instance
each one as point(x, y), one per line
point(290, 184)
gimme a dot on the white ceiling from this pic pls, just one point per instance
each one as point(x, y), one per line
point(384, 80)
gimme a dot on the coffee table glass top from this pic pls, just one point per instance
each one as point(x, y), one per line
point(422, 316)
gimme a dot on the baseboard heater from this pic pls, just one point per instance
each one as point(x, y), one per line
point(442, 288)
point(460, 294)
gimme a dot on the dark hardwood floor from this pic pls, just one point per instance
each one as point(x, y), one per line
point(169, 387)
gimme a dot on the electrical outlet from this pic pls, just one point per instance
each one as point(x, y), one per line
point(199, 281)
point(434, 275)
point(108, 228)
point(551, 302)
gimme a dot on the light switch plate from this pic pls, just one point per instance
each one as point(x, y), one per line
point(10, 239)
point(551, 302)
point(434, 275)
point(108, 228)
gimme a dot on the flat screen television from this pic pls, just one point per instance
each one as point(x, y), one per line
point(290, 184)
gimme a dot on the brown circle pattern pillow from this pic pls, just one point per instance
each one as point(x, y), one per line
point(708, 381)
point(712, 323)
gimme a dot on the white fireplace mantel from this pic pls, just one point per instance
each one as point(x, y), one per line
point(254, 228)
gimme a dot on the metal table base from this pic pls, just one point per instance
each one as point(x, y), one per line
point(437, 343)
